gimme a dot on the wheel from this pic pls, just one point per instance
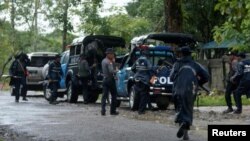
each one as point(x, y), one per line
point(162, 102)
point(93, 96)
point(46, 91)
point(118, 103)
point(133, 99)
point(72, 95)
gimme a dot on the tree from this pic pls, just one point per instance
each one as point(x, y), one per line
point(58, 14)
point(173, 15)
point(237, 24)
point(152, 11)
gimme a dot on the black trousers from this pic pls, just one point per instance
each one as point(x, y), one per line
point(54, 87)
point(20, 87)
point(229, 90)
point(109, 85)
point(142, 90)
point(84, 81)
point(243, 88)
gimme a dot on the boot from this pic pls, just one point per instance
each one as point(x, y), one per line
point(180, 132)
point(25, 99)
point(228, 110)
point(185, 136)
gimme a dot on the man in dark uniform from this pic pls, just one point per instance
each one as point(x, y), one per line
point(18, 73)
point(54, 76)
point(242, 76)
point(186, 75)
point(84, 76)
point(25, 61)
point(143, 73)
point(230, 88)
point(109, 85)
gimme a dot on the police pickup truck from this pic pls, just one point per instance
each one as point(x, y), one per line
point(160, 47)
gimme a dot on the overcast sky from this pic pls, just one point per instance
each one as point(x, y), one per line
point(44, 26)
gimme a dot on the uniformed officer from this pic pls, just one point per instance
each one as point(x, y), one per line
point(230, 88)
point(109, 85)
point(186, 75)
point(84, 76)
point(143, 73)
point(25, 61)
point(242, 76)
point(54, 76)
point(18, 73)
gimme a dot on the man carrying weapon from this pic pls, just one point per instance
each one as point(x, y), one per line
point(18, 73)
point(186, 75)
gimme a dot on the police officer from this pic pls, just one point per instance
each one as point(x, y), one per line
point(143, 73)
point(25, 61)
point(54, 76)
point(230, 88)
point(84, 75)
point(242, 76)
point(18, 73)
point(186, 75)
point(109, 85)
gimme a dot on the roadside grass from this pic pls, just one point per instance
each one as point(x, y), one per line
point(218, 100)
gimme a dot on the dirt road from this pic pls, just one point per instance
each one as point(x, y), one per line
point(40, 121)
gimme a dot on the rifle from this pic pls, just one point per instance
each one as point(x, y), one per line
point(201, 88)
point(47, 81)
point(8, 76)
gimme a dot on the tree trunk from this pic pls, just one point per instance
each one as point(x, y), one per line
point(13, 33)
point(65, 25)
point(173, 15)
point(35, 28)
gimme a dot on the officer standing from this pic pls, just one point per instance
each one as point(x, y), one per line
point(18, 73)
point(84, 75)
point(25, 61)
point(54, 76)
point(186, 75)
point(143, 73)
point(109, 85)
point(230, 88)
point(242, 76)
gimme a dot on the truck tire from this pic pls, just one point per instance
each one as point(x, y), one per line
point(162, 102)
point(133, 99)
point(93, 97)
point(72, 95)
point(118, 103)
point(47, 92)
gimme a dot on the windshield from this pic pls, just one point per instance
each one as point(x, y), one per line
point(155, 56)
point(40, 61)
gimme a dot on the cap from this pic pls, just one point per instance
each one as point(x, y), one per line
point(109, 51)
point(184, 49)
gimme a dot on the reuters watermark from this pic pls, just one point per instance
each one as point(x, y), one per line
point(241, 132)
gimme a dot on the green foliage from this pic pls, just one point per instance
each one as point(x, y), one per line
point(128, 27)
point(153, 11)
point(217, 100)
point(204, 20)
point(237, 25)
point(5, 47)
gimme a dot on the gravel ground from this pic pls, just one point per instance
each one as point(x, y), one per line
point(31, 123)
